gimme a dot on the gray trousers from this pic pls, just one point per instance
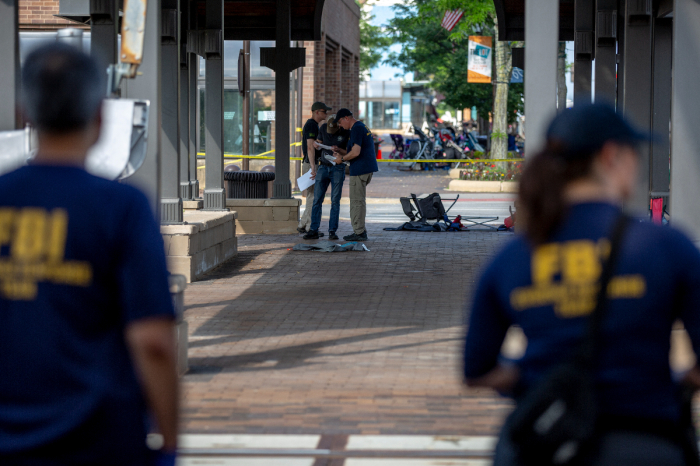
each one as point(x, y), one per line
point(358, 201)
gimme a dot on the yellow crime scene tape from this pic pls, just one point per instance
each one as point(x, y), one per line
point(266, 156)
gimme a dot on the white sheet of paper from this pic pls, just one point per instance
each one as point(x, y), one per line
point(330, 158)
point(305, 181)
point(323, 146)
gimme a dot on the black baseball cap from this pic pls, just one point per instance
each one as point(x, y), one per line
point(342, 113)
point(583, 130)
point(320, 106)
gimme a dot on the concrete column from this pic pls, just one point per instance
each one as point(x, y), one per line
point(193, 90)
point(147, 86)
point(184, 112)
point(245, 140)
point(104, 21)
point(171, 202)
point(282, 188)
point(542, 39)
point(214, 194)
point(193, 69)
point(685, 101)
point(661, 105)
point(584, 39)
point(636, 82)
point(10, 70)
point(605, 52)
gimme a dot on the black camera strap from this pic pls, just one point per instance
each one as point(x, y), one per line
point(591, 344)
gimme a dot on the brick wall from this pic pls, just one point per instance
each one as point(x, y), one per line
point(332, 72)
point(39, 15)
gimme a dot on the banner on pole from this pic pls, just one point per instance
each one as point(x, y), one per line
point(479, 67)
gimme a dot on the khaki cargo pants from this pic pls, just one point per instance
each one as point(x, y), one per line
point(358, 201)
point(305, 220)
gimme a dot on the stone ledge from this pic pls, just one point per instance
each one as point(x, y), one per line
point(264, 227)
point(263, 202)
point(192, 205)
point(206, 241)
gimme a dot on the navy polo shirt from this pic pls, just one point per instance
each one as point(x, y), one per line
point(80, 259)
point(550, 291)
point(366, 162)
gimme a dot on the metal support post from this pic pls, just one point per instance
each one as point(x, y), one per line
point(146, 86)
point(299, 122)
point(245, 119)
point(214, 193)
point(584, 39)
point(10, 70)
point(193, 91)
point(685, 101)
point(605, 51)
point(171, 202)
point(661, 104)
point(193, 64)
point(541, 37)
point(282, 188)
point(104, 21)
point(637, 84)
point(184, 112)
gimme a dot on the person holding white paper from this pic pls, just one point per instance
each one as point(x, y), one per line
point(330, 134)
point(311, 157)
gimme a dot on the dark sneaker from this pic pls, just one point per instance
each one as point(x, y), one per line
point(332, 235)
point(301, 230)
point(356, 237)
point(311, 235)
point(321, 235)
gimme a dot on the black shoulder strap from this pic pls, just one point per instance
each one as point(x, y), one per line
point(590, 346)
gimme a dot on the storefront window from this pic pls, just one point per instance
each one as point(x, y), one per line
point(391, 115)
point(262, 120)
point(375, 111)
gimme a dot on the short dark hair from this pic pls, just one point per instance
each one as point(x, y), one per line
point(62, 88)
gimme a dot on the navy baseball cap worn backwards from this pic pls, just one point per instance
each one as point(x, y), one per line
point(584, 129)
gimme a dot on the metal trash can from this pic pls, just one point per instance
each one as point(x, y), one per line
point(247, 184)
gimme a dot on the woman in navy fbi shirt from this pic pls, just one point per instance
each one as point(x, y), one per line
point(544, 282)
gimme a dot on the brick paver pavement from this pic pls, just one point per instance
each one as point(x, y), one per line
point(342, 343)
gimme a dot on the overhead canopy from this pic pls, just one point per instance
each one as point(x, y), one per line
point(511, 19)
point(255, 19)
point(243, 19)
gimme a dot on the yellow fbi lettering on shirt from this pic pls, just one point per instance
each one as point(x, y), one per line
point(565, 275)
point(36, 241)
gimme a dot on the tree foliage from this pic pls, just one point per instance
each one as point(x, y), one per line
point(441, 57)
point(373, 42)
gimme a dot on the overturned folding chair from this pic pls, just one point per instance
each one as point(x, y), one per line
point(425, 208)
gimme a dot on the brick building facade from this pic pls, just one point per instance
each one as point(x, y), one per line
point(38, 15)
point(332, 71)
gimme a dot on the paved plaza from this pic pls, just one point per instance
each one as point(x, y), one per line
point(287, 342)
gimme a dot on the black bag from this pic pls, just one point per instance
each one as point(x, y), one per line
point(555, 422)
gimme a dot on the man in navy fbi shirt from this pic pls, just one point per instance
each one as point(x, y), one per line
point(87, 351)
point(363, 163)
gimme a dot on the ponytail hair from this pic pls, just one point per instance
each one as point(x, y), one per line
point(542, 206)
